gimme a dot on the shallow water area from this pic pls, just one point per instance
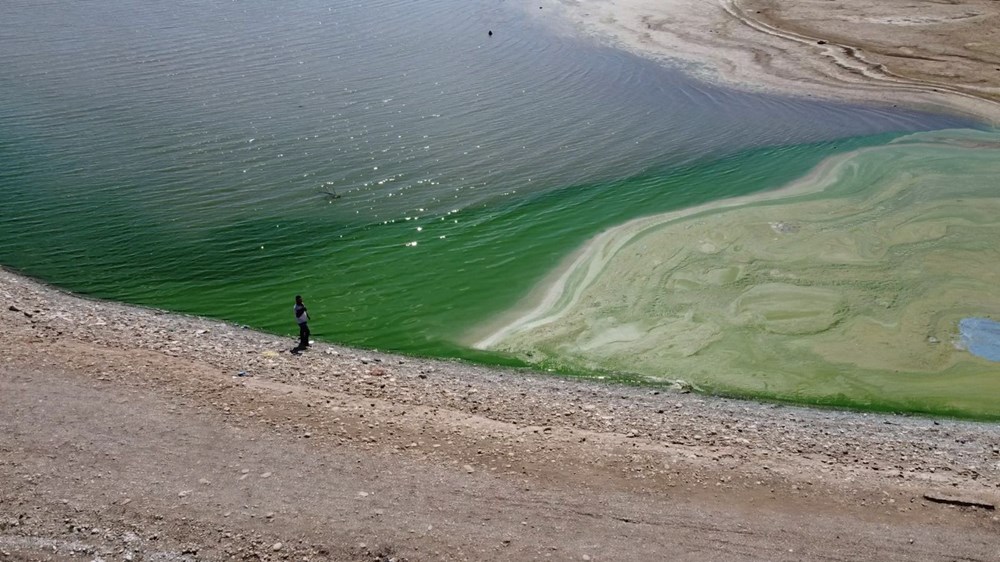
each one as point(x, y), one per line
point(981, 336)
point(406, 172)
point(846, 287)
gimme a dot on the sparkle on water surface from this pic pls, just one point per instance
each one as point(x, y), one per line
point(413, 177)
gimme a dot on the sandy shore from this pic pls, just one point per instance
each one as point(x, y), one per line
point(132, 434)
point(930, 55)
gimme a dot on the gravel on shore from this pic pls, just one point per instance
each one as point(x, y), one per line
point(789, 441)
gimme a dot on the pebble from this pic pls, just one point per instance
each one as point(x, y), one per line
point(276, 547)
point(852, 440)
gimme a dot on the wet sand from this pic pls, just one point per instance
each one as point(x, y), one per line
point(930, 55)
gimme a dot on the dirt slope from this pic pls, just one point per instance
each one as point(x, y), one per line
point(127, 434)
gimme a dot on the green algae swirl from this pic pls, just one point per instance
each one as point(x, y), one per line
point(844, 288)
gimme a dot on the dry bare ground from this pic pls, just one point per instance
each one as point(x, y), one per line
point(130, 434)
point(941, 56)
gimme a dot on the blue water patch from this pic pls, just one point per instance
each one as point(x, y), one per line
point(981, 336)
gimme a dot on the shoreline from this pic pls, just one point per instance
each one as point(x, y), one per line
point(469, 425)
point(813, 49)
point(133, 433)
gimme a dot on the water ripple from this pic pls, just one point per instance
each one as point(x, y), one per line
point(181, 153)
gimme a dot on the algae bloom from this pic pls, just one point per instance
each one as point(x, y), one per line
point(846, 287)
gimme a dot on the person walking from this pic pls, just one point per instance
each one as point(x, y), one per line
point(302, 317)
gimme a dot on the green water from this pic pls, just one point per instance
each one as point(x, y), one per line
point(178, 155)
point(844, 288)
point(364, 283)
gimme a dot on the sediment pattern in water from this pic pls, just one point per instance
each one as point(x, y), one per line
point(846, 287)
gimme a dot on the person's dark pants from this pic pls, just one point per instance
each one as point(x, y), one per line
point(303, 335)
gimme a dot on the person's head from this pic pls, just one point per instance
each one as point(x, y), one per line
point(298, 299)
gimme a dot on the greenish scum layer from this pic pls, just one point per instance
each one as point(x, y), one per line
point(845, 287)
